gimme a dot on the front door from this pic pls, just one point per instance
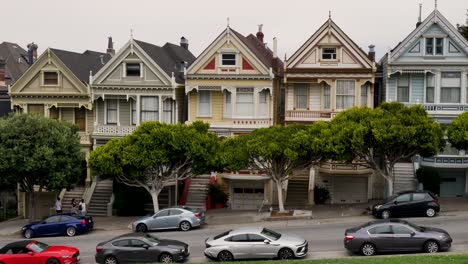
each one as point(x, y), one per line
point(382, 237)
point(402, 205)
point(123, 250)
point(160, 220)
point(174, 218)
point(240, 246)
point(260, 249)
point(49, 227)
point(404, 240)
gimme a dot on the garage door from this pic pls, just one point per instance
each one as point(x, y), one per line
point(247, 195)
point(348, 190)
point(452, 183)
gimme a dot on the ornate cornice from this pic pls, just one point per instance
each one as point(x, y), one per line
point(228, 77)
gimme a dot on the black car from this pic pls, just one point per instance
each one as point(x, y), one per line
point(409, 203)
point(140, 248)
point(393, 235)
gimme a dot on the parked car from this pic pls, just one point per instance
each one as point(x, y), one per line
point(59, 225)
point(395, 235)
point(35, 252)
point(409, 203)
point(255, 243)
point(140, 248)
point(184, 218)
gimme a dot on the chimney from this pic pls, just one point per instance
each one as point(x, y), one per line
point(419, 18)
point(110, 47)
point(184, 43)
point(2, 71)
point(32, 53)
point(260, 33)
point(275, 47)
point(371, 54)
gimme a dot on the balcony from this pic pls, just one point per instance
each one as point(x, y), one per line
point(449, 158)
point(442, 109)
point(113, 130)
point(344, 168)
point(307, 115)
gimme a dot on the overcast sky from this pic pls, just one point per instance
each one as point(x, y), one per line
point(86, 24)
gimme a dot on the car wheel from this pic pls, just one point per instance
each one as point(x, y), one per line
point(166, 258)
point(430, 212)
point(141, 228)
point(71, 231)
point(285, 253)
point(53, 261)
point(368, 249)
point(225, 256)
point(385, 214)
point(110, 260)
point(28, 233)
point(185, 226)
point(431, 247)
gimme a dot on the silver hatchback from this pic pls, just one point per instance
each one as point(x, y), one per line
point(183, 218)
point(255, 243)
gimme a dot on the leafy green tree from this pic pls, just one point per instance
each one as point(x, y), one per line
point(430, 178)
point(458, 132)
point(39, 151)
point(277, 150)
point(156, 153)
point(393, 132)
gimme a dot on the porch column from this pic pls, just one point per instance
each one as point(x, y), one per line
point(464, 87)
point(333, 95)
point(160, 108)
point(175, 112)
point(437, 85)
point(138, 109)
point(256, 101)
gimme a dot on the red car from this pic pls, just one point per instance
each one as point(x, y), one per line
point(35, 252)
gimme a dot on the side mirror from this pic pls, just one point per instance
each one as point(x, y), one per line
point(146, 246)
point(395, 202)
point(266, 241)
point(412, 234)
point(30, 253)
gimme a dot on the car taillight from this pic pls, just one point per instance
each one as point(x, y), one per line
point(98, 249)
point(83, 222)
point(349, 238)
point(436, 201)
point(198, 215)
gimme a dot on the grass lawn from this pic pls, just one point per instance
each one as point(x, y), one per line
point(423, 259)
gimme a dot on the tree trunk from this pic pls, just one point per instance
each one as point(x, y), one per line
point(31, 205)
point(154, 195)
point(280, 196)
point(390, 180)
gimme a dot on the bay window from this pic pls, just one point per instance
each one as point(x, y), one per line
point(149, 108)
point(345, 94)
point(301, 94)
point(430, 84)
point(245, 102)
point(227, 104)
point(263, 101)
point(204, 103)
point(364, 94)
point(326, 96)
point(403, 88)
point(167, 111)
point(450, 87)
point(111, 111)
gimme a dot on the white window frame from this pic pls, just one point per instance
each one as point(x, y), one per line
point(228, 65)
point(171, 111)
point(333, 56)
point(427, 87)
point(365, 87)
point(227, 98)
point(398, 86)
point(199, 114)
point(326, 92)
point(59, 82)
point(449, 87)
point(346, 95)
point(434, 45)
point(306, 87)
point(133, 63)
point(243, 90)
point(106, 104)
point(265, 104)
point(157, 97)
point(133, 112)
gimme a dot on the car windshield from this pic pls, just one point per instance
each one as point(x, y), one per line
point(38, 247)
point(152, 239)
point(271, 234)
point(391, 198)
point(222, 235)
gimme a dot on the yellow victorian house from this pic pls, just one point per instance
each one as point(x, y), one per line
point(234, 85)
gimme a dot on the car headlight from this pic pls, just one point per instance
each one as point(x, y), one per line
point(444, 237)
point(179, 250)
point(66, 256)
point(24, 228)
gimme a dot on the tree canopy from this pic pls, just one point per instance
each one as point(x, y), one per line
point(458, 132)
point(38, 151)
point(156, 153)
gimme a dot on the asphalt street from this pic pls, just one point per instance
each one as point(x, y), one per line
point(325, 239)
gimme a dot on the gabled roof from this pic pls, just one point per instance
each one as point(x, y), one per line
point(434, 17)
point(82, 63)
point(168, 57)
point(16, 61)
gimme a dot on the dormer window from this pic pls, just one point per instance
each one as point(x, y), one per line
point(50, 78)
point(133, 69)
point(434, 46)
point(329, 54)
point(228, 59)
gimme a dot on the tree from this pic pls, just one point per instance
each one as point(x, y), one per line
point(39, 151)
point(155, 154)
point(393, 132)
point(277, 150)
point(458, 132)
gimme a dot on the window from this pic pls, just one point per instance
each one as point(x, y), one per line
point(134, 112)
point(300, 94)
point(149, 108)
point(329, 54)
point(403, 88)
point(401, 230)
point(434, 46)
point(380, 230)
point(239, 238)
point(403, 198)
point(419, 196)
point(271, 234)
point(50, 78)
point(364, 91)
point(36, 109)
point(450, 87)
point(80, 118)
point(65, 218)
point(138, 243)
point(167, 111)
point(227, 104)
point(439, 48)
point(263, 98)
point(345, 93)
point(228, 59)
point(133, 69)
point(429, 46)
point(175, 212)
point(112, 111)
point(162, 213)
point(245, 101)
point(121, 243)
point(204, 103)
point(430, 84)
point(52, 219)
point(53, 113)
point(256, 238)
point(326, 96)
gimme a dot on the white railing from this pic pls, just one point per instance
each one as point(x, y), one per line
point(257, 121)
point(307, 114)
point(113, 130)
point(431, 107)
point(336, 167)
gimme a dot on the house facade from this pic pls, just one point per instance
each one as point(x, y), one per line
point(329, 73)
point(234, 85)
point(430, 68)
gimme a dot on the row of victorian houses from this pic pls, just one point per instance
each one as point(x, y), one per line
point(238, 84)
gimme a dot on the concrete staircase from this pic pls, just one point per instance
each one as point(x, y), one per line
point(100, 198)
point(76, 193)
point(405, 179)
point(298, 190)
point(196, 197)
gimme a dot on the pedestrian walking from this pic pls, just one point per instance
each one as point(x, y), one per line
point(82, 208)
point(74, 206)
point(58, 206)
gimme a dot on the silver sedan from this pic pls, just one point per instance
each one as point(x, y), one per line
point(255, 243)
point(184, 218)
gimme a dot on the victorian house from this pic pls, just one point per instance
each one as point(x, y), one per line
point(430, 68)
point(234, 85)
point(329, 73)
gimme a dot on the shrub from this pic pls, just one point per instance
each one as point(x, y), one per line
point(217, 194)
point(321, 194)
point(430, 178)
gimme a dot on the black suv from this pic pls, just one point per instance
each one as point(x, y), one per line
point(409, 203)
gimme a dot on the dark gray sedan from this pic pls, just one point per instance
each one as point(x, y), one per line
point(392, 235)
point(140, 248)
